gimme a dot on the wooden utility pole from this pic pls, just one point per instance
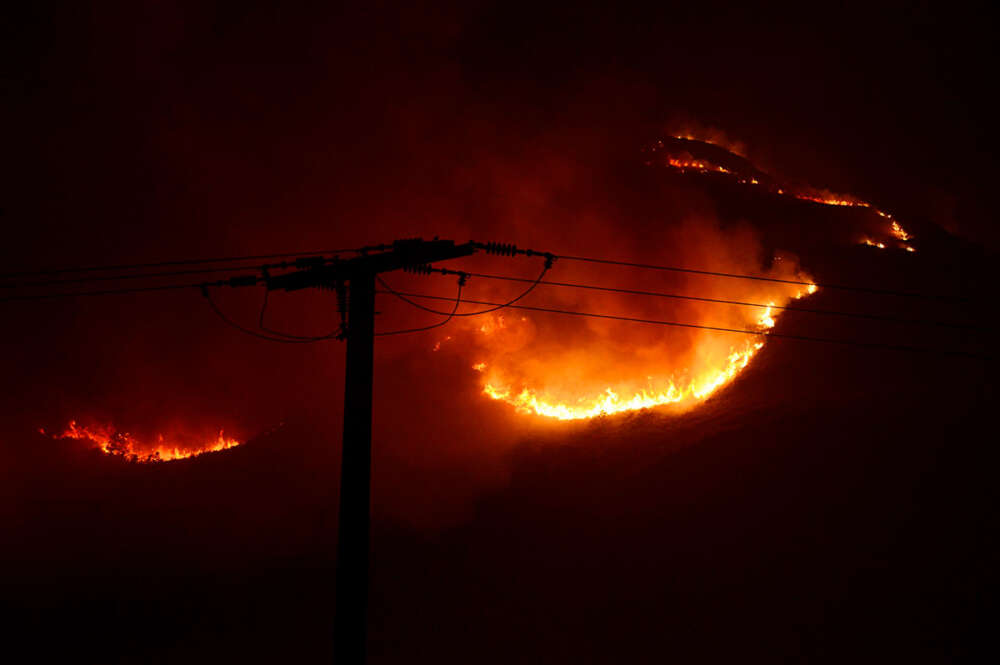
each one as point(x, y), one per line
point(350, 624)
point(353, 527)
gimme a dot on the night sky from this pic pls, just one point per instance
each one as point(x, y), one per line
point(834, 503)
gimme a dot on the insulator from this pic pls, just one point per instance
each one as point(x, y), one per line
point(500, 248)
point(419, 269)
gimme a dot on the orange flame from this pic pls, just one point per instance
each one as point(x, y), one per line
point(688, 163)
point(898, 231)
point(527, 382)
point(696, 165)
point(112, 441)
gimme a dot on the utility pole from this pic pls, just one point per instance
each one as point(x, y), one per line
point(353, 527)
point(353, 524)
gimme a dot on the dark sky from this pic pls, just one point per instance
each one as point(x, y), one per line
point(836, 502)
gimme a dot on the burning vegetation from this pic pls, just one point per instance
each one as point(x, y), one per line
point(112, 441)
point(548, 367)
point(571, 368)
point(704, 155)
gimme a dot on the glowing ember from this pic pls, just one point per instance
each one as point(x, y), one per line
point(115, 442)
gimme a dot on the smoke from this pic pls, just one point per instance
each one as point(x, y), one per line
point(315, 152)
point(443, 439)
point(573, 184)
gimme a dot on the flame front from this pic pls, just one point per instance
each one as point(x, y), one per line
point(594, 377)
point(610, 402)
point(113, 441)
point(683, 161)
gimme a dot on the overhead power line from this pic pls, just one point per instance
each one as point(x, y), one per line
point(450, 315)
point(494, 248)
point(182, 262)
point(711, 273)
point(335, 334)
point(678, 324)
point(493, 306)
point(251, 331)
point(115, 278)
point(677, 296)
point(108, 292)
point(464, 275)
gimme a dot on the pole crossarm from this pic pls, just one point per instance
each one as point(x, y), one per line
point(401, 254)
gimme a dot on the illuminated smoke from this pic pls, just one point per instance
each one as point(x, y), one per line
point(571, 368)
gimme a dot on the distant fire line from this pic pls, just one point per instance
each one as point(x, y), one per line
point(113, 441)
point(895, 229)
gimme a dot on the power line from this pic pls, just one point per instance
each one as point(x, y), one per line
point(305, 338)
point(450, 315)
point(108, 292)
point(489, 247)
point(183, 262)
point(661, 294)
point(253, 279)
point(759, 333)
point(251, 332)
point(427, 269)
point(286, 338)
point(842, 287)
point(112, 278)
point(495, 307)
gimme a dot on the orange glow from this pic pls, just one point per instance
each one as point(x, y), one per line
point(612, 368)
point(898, 231)
point(112, 441)
point(696, 165)
point(833, 200)
point(685, 162)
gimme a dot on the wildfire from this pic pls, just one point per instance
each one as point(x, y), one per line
point(898, 231)
point(610, 402)
point(696, 165)
point(563, 383)
point(113, 441)
point(683, 161)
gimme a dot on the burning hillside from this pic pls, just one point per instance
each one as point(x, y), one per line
point(679, 352)
point(689, 154)
point(571, 368)
point(113, 441)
